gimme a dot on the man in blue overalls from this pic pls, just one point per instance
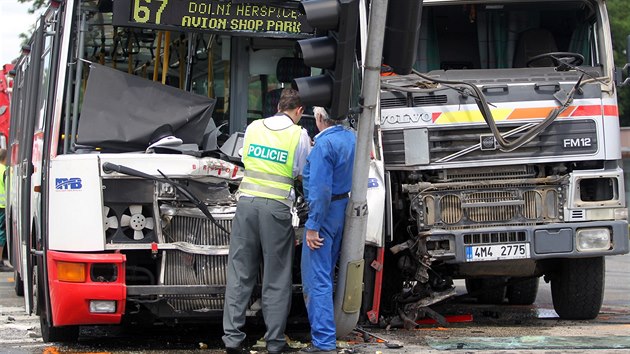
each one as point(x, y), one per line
point(327, 182)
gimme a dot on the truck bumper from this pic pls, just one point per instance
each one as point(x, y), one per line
point(545, 241)
point(70, 301)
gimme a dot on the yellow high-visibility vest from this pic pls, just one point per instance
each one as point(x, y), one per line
point(3, 190)
point(268, 157)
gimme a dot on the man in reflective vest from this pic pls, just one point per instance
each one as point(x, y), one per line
point(3, 202)
point(327, 182)
point(274, 154)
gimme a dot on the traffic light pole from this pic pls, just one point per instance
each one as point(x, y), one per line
point(351, 263)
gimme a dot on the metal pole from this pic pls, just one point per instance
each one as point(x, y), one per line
point(67, 114)
point(158, 55)
point(349, 288)
point(77, 81)
point(167, 56)
point(192, 47)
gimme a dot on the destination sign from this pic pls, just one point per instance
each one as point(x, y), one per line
point(252, 19)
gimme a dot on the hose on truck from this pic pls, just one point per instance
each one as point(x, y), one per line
point(483, 105)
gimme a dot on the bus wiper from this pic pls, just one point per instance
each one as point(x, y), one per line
point(109, 167)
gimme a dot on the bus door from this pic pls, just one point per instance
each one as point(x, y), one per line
point(47, 56)
point(13, 207)
point(26, 162)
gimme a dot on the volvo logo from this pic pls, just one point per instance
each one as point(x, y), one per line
point(397, 118)
point(487, 142)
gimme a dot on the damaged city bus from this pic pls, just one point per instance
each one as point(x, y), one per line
point(501, 151)
point(124, 161)
point(495, 161)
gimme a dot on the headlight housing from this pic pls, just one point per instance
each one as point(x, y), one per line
point(166, 190)
point(593, 239)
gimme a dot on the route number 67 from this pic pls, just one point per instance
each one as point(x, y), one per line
point(142, 12)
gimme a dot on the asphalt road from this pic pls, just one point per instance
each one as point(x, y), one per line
point(493, 329)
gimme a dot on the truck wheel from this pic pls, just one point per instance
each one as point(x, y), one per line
point(18, 286)
point(473, 286)
point(577, 288)
point(522, 291)
point(487, 290)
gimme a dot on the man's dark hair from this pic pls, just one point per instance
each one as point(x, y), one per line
point(3, 155)
point(289, 99)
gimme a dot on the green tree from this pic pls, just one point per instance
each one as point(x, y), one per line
point(35, 4)
point(619, 13)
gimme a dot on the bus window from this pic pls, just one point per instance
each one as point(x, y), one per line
point(264, 86)
point(211, 67)
point(45, 78)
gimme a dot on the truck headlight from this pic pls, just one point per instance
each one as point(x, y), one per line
point(596, 239)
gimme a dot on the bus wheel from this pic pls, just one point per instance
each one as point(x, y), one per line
point(577, 288)
point(522, 291)
point(57, 334)
point(50, 333)
point(19, 285)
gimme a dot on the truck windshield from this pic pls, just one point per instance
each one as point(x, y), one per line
point(507, 35)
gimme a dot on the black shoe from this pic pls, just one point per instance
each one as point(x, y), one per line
point(238, 350)
point(285, 349)
point(314, 350)
point(5, 268)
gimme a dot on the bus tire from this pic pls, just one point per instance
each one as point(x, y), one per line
point(577, 288)
point(522, 291)
point(50, 333)
point(57, 334)
point(19, 285)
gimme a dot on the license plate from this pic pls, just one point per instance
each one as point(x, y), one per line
point(497, 252)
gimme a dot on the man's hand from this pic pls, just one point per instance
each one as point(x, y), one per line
point(313, 241)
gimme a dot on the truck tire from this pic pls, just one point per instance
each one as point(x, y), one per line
point(473, 286)
point(487, 290)
point(577, 288)
point(522, 291)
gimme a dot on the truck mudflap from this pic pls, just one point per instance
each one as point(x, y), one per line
point(86, 289)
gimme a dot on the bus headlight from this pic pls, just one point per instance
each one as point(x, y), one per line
point(102, 306)
point(596, 239)
point(166, 190)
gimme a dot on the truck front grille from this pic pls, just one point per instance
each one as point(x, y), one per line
point(484, 238)
point(491, 206)
point(513, 205)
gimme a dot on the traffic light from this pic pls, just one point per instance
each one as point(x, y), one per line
point(334, 51)
point(402, 31)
